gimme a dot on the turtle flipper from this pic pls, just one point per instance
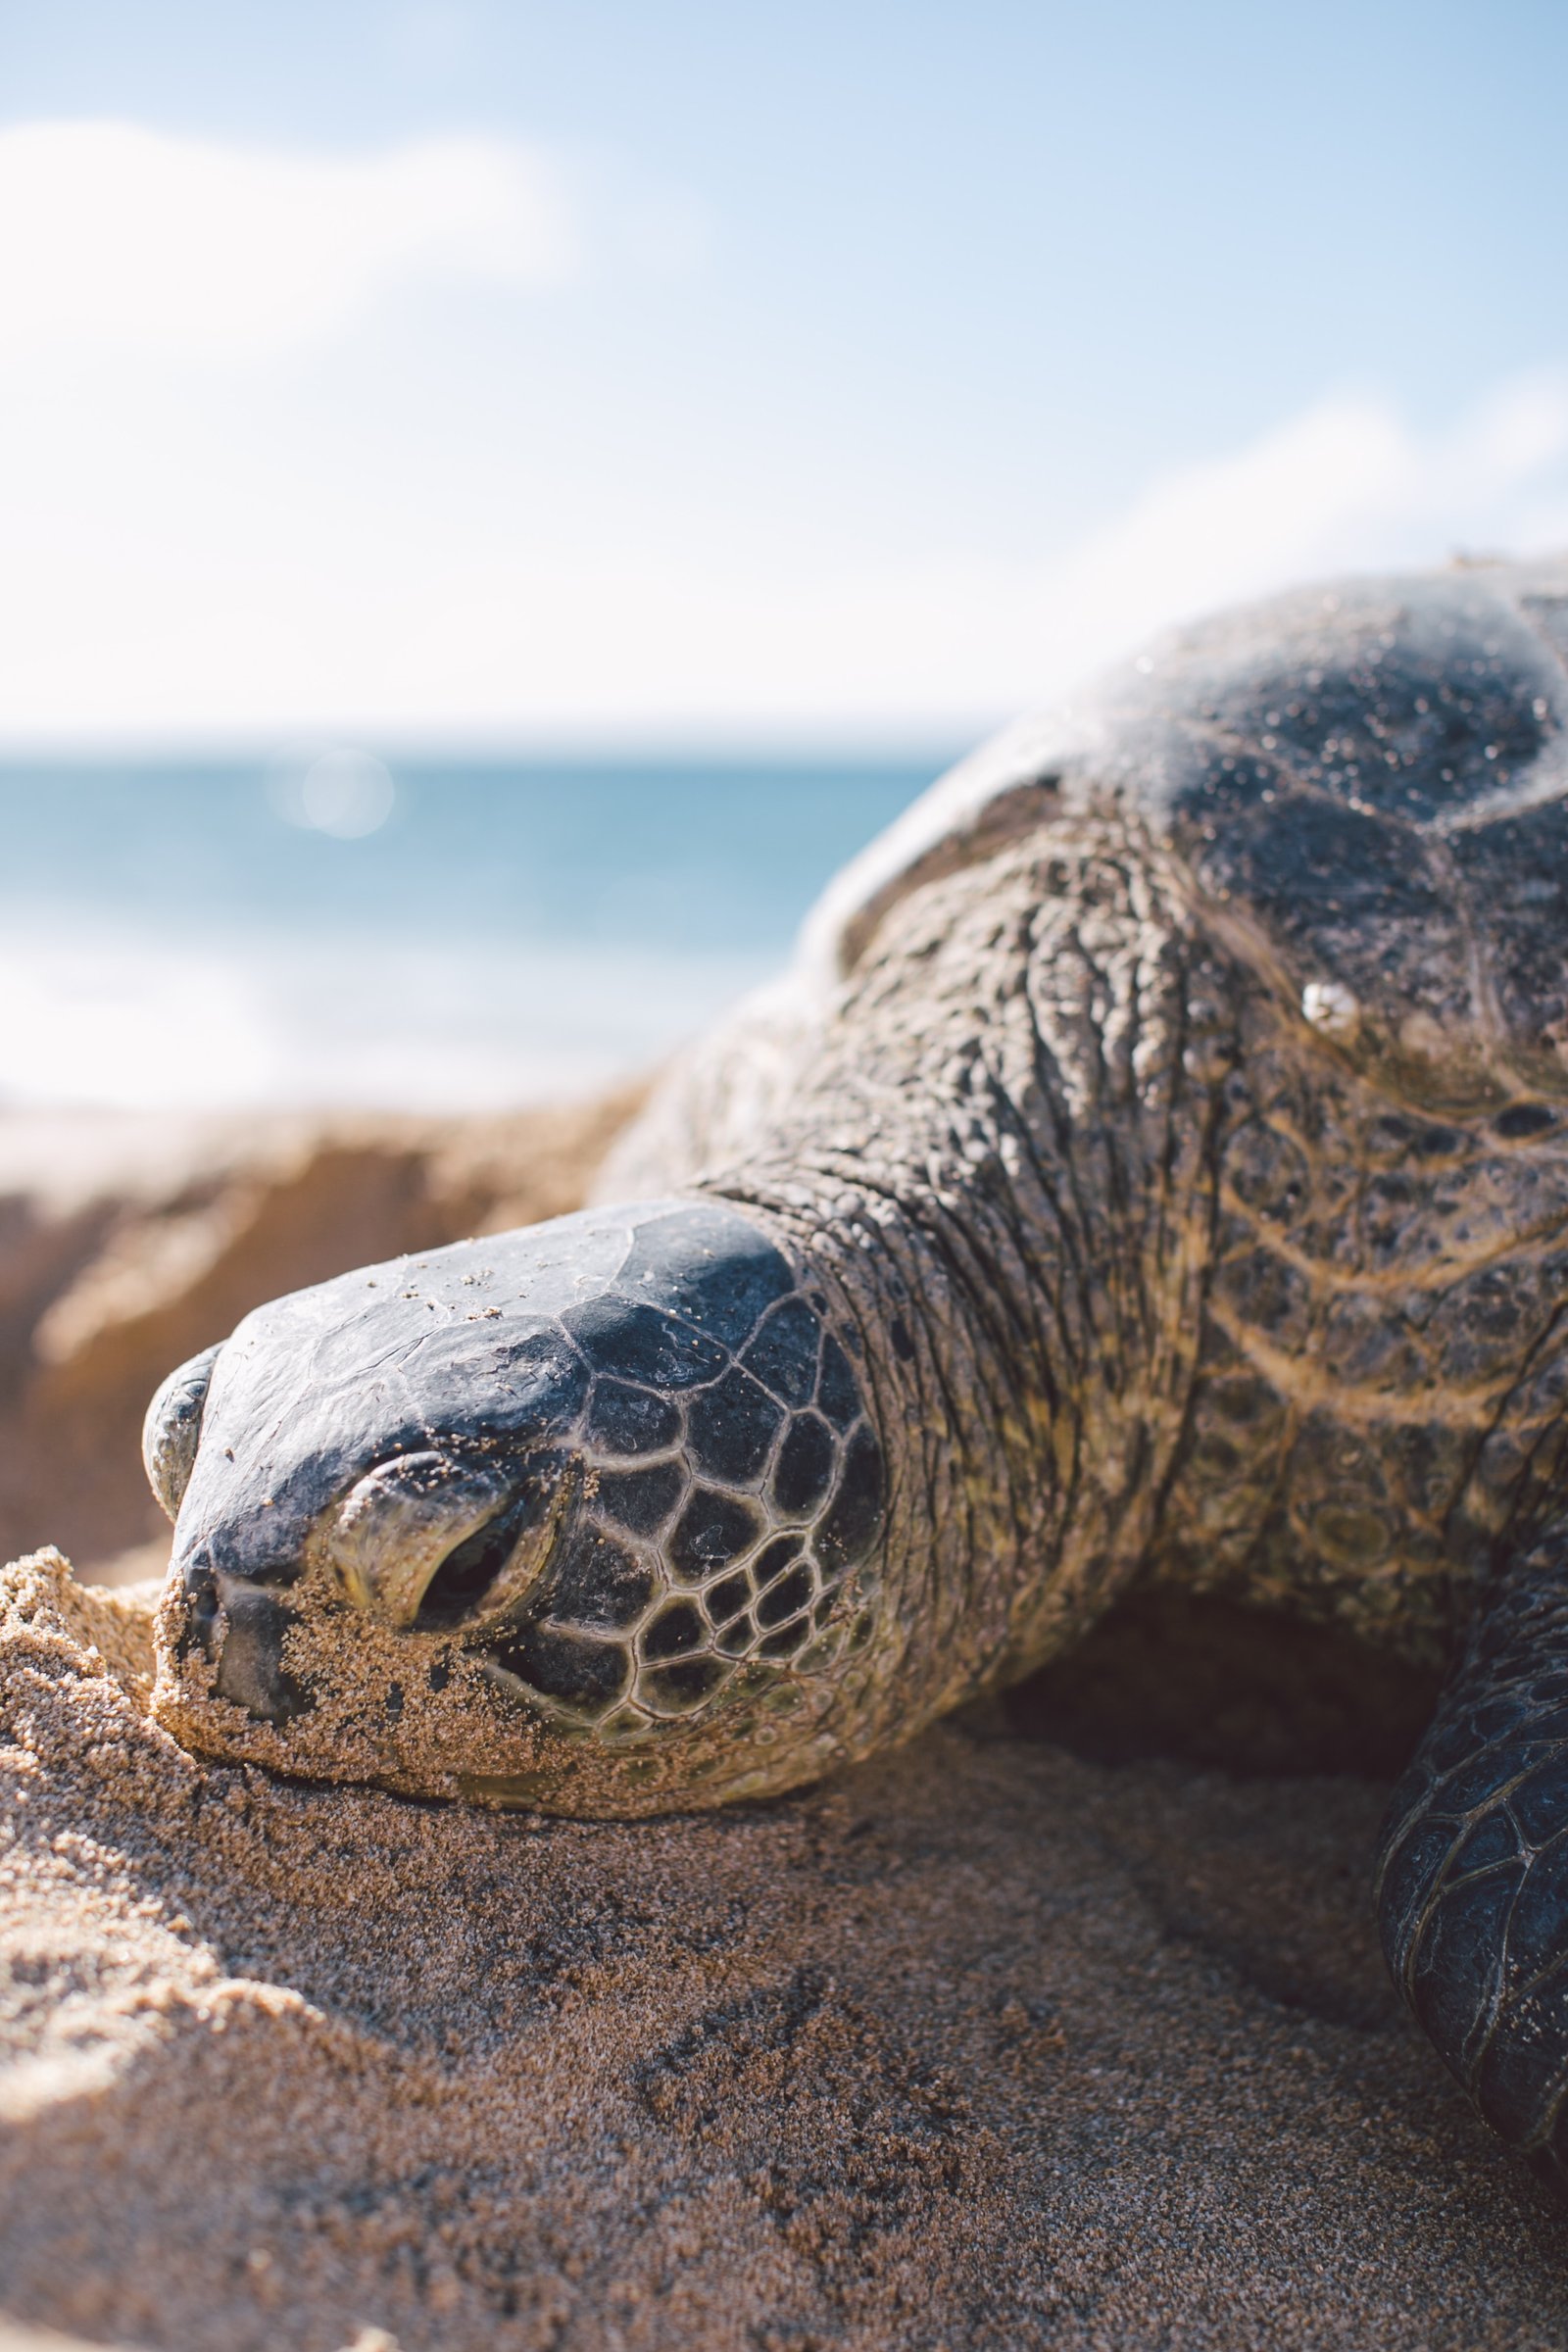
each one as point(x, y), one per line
point(1473, 1864)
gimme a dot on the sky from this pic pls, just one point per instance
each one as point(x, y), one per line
point(674, 371)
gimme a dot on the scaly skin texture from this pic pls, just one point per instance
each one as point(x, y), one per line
point(1472, 1877)
point(1197, 1299)
point(1004, 1148)
point(1174, 1139)
point(1379, 1411)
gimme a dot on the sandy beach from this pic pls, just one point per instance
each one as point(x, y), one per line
point(1063, 2027)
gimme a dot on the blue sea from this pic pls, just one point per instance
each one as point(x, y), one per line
point(335, 929)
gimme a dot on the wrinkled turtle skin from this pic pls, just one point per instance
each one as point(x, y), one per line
point(1156, 1169)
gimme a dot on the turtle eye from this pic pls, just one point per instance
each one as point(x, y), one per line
point(467, 1573)
point(172, 1429)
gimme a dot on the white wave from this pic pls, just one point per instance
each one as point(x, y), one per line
point(110, 1018)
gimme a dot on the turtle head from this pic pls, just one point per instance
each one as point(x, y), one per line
point(578, 1516)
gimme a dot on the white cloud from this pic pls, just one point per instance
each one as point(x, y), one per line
point(1346, 485)
point(441, 536)
point(114, 237)
point(281, 615)
point(482, 635)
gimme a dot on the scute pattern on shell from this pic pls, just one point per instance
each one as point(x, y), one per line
point(1366, 780)
point(1369, 779)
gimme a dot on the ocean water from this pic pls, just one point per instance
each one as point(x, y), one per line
point(336, 930)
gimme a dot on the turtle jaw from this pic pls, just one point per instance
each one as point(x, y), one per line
point(234, 1630)
point(431, 1542)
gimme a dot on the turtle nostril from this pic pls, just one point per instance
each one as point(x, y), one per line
point(467, 1573)
point(198, 1633)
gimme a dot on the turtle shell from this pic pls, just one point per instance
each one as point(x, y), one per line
point(1368, 783)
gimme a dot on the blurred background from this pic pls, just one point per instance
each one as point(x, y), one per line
point(499, 498)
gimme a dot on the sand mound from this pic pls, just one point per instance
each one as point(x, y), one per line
point(126, 1243)
point(980, 2045)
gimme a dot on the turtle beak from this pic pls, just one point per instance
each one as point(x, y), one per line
point(239, 1625)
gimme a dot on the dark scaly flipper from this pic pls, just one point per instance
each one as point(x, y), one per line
point(1473, 1869)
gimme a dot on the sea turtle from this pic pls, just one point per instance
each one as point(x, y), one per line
point(1155, 1168)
